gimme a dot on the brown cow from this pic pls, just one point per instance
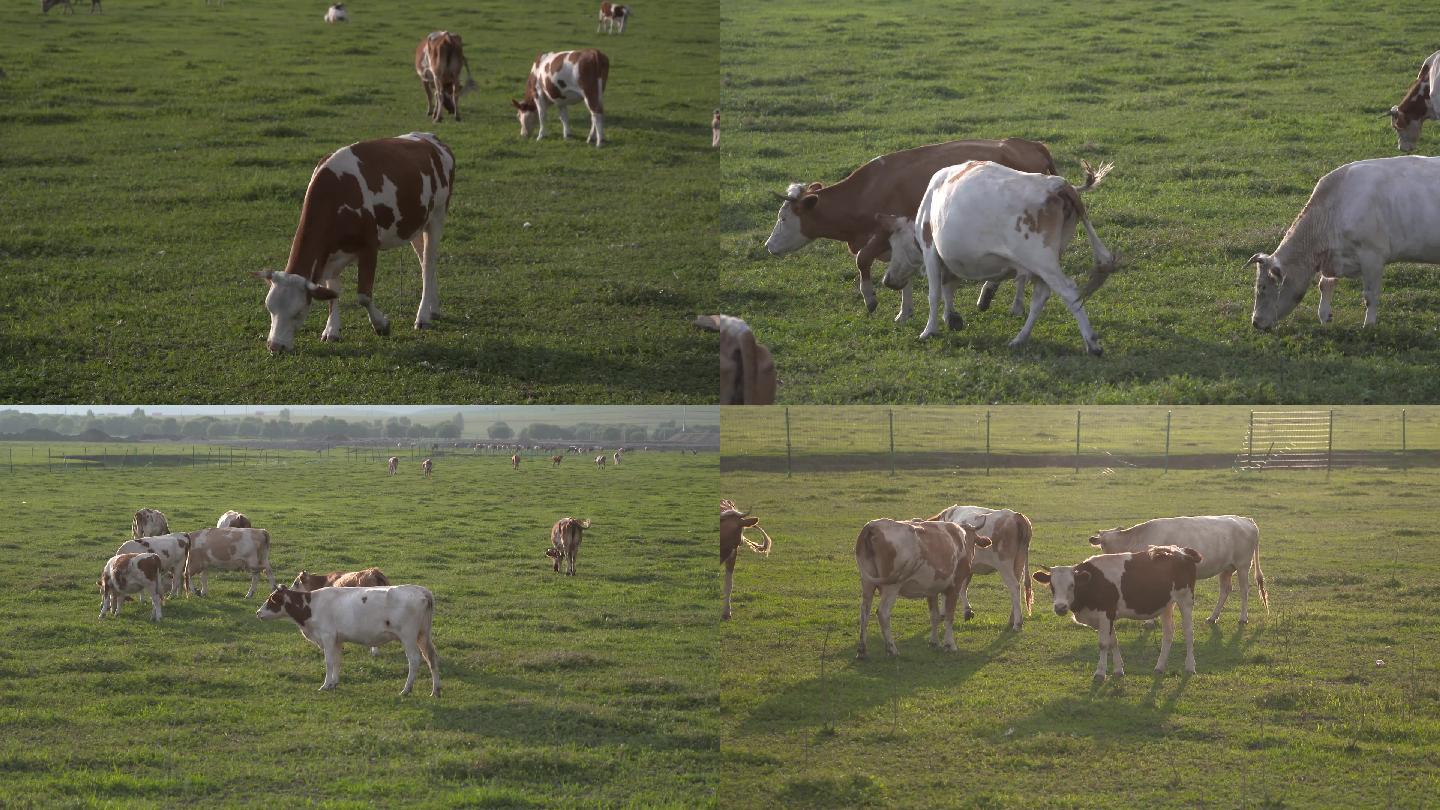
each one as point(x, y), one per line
point(890, 184)
point(426, 467)
point(556, 459)
point(563, 78)
point(1417, 106)
point(438, 60)
point(916, 559)
point(565, 538)
point(365, 578)
point(613, 16)
point(1008, 554)
point(733, 524)
point(515, 461)
point(747, 371)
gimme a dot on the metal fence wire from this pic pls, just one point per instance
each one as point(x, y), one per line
point(1113, 438)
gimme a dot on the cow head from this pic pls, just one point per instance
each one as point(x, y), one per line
point(1112, 541)
point(1277, 292)
point(797, 209)
point(1407, 128)
point(305, 583)
point(898, 235)
point(288, 303)
point(1062, 580)
point(528, 115)
point(274, 606)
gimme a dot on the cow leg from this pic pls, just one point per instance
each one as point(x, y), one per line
point(455, 96)
point(906, 307)
point(378, 321)
point(1104, 631)
point(597, 124)
point(888, 595)
point(934, 600)
point(1326, 285)
point(1012, 584)
point(429, 99)
point(427, 651)
point(1118, 665)
point(332, 323)
point(541, 105)
point(1244, 575)
point(1038, 296)
point(952, 596)
point(155, 600)
point(204, 583)
point(254, 580)
point(564, 112)
point(867, 291)
point(1187, 604)
point(333, 650)
point(952, 318)
point(1070, 294)
point(1167, 634)
point(104, 603)
point(729, 578)
point(933, 273)
point(574, 555)
point(1224, 594)
point(1370, 288)
point(1017, 307)
point(965, 599)
point(987, 294)
point(866, 594)
point(412, 660)
point(429, 295)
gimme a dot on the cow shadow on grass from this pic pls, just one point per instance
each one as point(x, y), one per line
point(848, 686)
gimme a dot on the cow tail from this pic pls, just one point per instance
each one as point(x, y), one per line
point(865, 554)
point(1022, 561)
point(1260, 578)
point(470, 83)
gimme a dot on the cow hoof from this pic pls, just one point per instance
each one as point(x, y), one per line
point(1099, 677)
point(383, 330)
point(1212, 620)
point(929, 333)
point(1119, 673)
point(423, 325)
point(954, 321)
point(1096, 351)
point(1159, 670)
point(903, 315)
point(1189, 670)
point(1017, 311)
point(969, 614)
point(1016, 343)
point(870, 305)
point(861, 656)
point(329, 337)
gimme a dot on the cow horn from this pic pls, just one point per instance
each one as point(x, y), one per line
point(783, 197)
point(1255, 259)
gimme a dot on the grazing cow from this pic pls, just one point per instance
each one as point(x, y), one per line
point(1133, 585)
point(149, 523)
point(565, 538)
point(393, 464)
point(890, 184)
point(515, 461)
point(172, 549)
point(362, 199)
point(1360, 217)
point(747, 371)
point(337, 14)
point(1419, 104)
point(438, 60)
point(330, 617)
point(230, 550)
point(613, 17)
point(715, 129)
point(915, 559)
point(1008, 554)
point(563, 78)
point(981, 220)
point(1227, 544)
point(556, 459)
point(733, 524)
point(365, 578)
point(46, 5)
point(426, 466)
point(600, 461)
point(128, 573)
point(233, 520)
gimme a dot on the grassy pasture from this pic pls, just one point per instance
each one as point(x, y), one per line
point(1220, 117)
point(595, 690)
point(1292, 711)
point(155, 153)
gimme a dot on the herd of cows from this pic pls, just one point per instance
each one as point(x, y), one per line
point(330, 610)
point(1144, 572)
point(986, 211)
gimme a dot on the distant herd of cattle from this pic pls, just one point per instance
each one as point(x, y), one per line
point(1143, 571)
point(331, 609)
point(987, 211)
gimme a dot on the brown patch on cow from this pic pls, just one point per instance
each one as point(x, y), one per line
point(150, 567)
point(928, 235)
point(384, 217)
point(297, 605)
point(572, 57)
point(1151, 575)
point(872, 544)
point(1095, 592)
point(551, 91)
point(940, 547)
point(1415, 105)
point(970, 166)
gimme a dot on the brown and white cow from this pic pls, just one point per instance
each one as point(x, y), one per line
point(365, 578)
point(1227, 544)
point(916, 559)
point(362, 199)
point(392, 464)
point(618, 456)
point(890, 184)
point(747, 370)
point(439, 59)
point(233, 520)
point(130, 573)
point(149, 523)
point(1418, 105)
point(337, 14)
point(733, 524)
point(600, 461)
point(1132, 585)
point(562, 78)
point(613, 17)
point(172, 550)
point(515, 461)
point(426, 467)
point(556, 459)
point(229, 550)
point(565, 537)
point(1008, 554)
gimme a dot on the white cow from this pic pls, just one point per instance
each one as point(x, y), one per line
point(128, 573)
point(173, 549)
point(233, 520)
point(337, 14)
point(1360, 217)
point(228, 549)
point(330, 617)
point(1227, 543)
point(1008, 553)
point(982, 221)
point(393, 464)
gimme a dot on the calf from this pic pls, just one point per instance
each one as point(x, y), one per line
point(438, 60)
point(1009, 554)
point(427, 466)
point(1417, 106)
point(228, 549)
point(233, 520)
point(515, 461)
point(915, 559)
point(393, 464)
point(149, 523)
point(600, 461)
point(337, 14)
point(330, 617)
point(556, 459)
point(366, 578)
point(172, 549)
point(1227, 544)
point(129, 573)
point(561, 79)
point(362, 199)
point(733, 524)
point(747, 370)
point(565, 538)
point(612, 17)
point(1133, 585)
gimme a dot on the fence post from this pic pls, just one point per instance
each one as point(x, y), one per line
point(1330, 446)
point(892, 441)
point(1404, 459)
point(1077, 442)
point(1167, 441)
point(787, 441)
point(987, 442)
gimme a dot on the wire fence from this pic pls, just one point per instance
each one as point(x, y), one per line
point(798, 439)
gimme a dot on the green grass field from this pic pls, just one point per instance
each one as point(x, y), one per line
point(1294, 710)
point(597, 690)
point(155, 153)
point(1220, 117)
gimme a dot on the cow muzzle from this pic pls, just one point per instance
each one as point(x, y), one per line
point(1061, 609)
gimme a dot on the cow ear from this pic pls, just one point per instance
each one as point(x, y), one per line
point(1041, 577)
point(815, 186)
point(1259, 258)
point(516, 104)
point(1082, 577)
point(807, 202)
point(749, 521)
point(263, 275)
